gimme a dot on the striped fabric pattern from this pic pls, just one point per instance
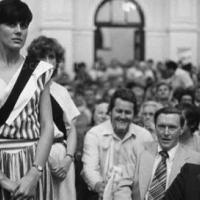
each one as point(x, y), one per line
point(16, 162)
point(26, 125)
point(158, 184)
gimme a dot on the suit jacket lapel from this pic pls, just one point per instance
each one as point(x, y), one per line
point(179, 160)
point(146, 167)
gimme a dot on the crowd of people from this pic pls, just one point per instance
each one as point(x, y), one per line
point(114, 131)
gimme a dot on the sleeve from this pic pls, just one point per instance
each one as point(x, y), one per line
point(91, 167)
point(188, 81)
point(43, 73)
point(177, 188)
point(45, 78)
point(71, 111)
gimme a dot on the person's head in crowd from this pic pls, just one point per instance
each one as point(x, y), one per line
point(198, 76)
point(160, 71)
point(186, 96)
point(100, 112)
point(192, 118)
point(46, 49)
point(89, 95)
point(15, 17)
point(187, 67)
point(108, 93)
point(81, 74)
point(122, 108)
point(169, 123)
point(139, 91)
point(147, 112)
point(115, 63)
point(197, 95)
point(79, 67)
point(171, 67)
point(80, 102)
point(143, 66)
point(150, 63)
point(163, 91)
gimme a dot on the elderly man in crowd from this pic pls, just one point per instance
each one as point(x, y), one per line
point(160, 162)
point(112, 147)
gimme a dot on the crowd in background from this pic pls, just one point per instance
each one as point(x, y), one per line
point(155, 85)
point(94, 136)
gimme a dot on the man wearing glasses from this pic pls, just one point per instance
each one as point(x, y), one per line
point(161, 161)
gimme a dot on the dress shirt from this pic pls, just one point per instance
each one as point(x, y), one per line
point(169, 162)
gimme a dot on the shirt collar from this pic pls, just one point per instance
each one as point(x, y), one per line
point(110, 131)
point(171, 152)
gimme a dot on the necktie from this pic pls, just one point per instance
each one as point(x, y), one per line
point(158, 184)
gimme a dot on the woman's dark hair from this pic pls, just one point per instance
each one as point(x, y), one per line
point(43, 46)
point(126, 95)
point(13, 11)
point(40, 48)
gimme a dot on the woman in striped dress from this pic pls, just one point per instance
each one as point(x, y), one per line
point(26, 131)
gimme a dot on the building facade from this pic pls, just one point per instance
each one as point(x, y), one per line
point(171, 29)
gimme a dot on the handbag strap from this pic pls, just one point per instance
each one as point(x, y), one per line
point(58, 116)
point(26, 71)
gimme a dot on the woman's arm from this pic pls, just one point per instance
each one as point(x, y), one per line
point(72, 139)
point(26, 186)
point(61, 171)
point(46, 124)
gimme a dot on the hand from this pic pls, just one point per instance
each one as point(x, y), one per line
point(9, 185)
point(27, 185)
point(99, 188)
point(62, 169)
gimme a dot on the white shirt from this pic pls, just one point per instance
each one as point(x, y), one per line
point(169, 163)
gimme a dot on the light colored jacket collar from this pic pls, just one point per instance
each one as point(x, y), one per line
point(109, 130)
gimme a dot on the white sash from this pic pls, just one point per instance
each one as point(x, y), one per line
point(28, 90)
point(64, 99)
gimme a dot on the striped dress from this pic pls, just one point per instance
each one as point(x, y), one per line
point(18, 139)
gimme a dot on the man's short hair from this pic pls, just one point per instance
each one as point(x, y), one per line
point(186, 91)
point(170, 110)
point(171, 65)
point(124, 94)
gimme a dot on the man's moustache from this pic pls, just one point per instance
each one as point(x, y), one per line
point(123, 120)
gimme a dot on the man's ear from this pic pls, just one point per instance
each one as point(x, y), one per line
point(181, 130)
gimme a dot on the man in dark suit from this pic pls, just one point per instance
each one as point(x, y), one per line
point(186, 186)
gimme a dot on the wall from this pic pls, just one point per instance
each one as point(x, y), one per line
point(183, 29)
point(172, 27)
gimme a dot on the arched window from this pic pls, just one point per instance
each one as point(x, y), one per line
point(116, 14)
